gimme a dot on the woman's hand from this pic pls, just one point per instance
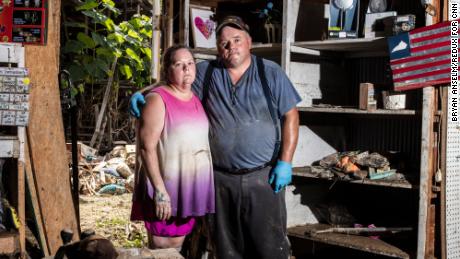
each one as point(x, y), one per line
point(162, 204)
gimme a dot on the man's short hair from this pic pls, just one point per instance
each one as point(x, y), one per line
point(232, 21)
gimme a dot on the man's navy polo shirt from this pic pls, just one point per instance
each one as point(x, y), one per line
point(242, 134)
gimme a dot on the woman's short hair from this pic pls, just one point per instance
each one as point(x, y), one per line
point(168, 59)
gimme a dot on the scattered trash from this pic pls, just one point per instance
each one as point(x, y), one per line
point(355, 165)
point(112, 189)
point(111, 174)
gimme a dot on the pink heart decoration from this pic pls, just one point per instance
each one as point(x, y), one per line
point(206, 28)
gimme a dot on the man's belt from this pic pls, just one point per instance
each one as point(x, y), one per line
point(243, 170)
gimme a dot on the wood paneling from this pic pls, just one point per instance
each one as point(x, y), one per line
point(46, 134)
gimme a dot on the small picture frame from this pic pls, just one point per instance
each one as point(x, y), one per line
point(203, 27)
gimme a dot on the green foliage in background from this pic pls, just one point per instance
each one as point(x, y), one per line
point(90, 52)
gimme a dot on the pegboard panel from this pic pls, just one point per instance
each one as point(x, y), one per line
point(453, 180)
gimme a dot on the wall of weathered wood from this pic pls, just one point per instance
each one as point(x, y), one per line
point(46, 134)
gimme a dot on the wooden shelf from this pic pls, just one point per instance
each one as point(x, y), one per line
point(257, 49)
point(366, 244)
point(355, 111)
point(346, 45)
point(306, 172)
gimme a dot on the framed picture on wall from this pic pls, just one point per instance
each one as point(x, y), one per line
point(203, 27)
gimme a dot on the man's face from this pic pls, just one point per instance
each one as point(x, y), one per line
point(234, 46)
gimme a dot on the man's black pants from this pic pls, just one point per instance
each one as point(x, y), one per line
point(250, 218)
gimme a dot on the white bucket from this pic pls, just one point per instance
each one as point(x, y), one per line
point(394, 101)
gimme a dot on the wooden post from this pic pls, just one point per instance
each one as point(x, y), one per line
point(184, 23)
point(21, 194)
point(169, 37)
point(156, 41)
point(46, 133)
point(30, 181)
point(426, 165)
point(290, 11)
point(97, 130)
point(443, 157)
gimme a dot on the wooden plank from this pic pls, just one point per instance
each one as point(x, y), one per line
point(169, 37)
point(290, 12)
point(306, 172)
point(46, 134)
point(355, 111)
point(30, 181)
point(156, 41)
point(105, 100)
point(443, 165)
point(8, 243)
point(21, 193)
point(361, 243)
point(426, 165)
point(184, 22)
point(355, 45)
point(431, 229)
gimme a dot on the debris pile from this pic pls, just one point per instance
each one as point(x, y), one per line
point(110, 174)
point(356, 165)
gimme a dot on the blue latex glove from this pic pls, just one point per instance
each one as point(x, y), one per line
point(135, 104)
point(281, 175)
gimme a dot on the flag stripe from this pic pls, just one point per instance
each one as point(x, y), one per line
point(402, 87)
point(423, 80)
point(430, 46)
point(432, 41)
point(420, 61)
point(430, 37)
point(435, 64)
point(443, 71)
point(429, 32)
point(421, 71)
point(416, 58)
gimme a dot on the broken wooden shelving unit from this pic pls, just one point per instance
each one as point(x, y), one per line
point(361, 243)
point(307, 173)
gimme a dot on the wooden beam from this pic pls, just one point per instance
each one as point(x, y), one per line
point(290, 7)
point(443, 155)
point(30, 181)
point(156, 41)
point(105, 100)
point(8, 243)
point(184, 22)
point(46, 133)
point(169, 40)
point(21, 193)
point(426, 165)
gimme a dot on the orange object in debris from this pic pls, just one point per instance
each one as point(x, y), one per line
point(350, 168)
point(344, 161)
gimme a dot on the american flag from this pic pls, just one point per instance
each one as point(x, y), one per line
point(421, 57)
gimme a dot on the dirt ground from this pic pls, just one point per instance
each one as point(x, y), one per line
point(109, 217)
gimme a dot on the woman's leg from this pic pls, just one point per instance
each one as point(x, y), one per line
point(157, 242)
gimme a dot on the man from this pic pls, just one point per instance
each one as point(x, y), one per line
point(250, 205)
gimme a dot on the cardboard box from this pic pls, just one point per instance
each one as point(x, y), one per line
point(367, 97)
point(374, 25)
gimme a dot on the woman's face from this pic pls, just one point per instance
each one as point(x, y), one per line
point(182, 70)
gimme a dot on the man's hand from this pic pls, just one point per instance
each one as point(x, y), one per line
point(136, 103)
point(281, 175)
point(162, 204)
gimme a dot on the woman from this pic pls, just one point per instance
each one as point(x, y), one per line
point(176, 184)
